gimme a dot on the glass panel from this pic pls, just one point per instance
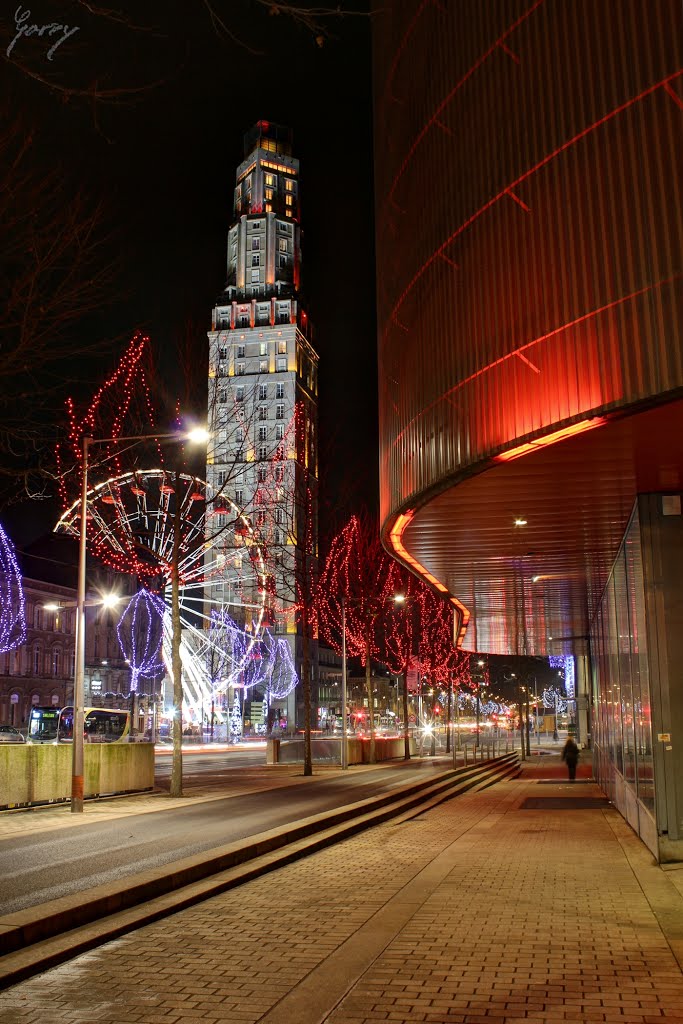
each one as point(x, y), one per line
point(641, 678)
point(625, 709)
point(612, 681)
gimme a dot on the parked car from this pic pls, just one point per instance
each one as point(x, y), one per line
point(8, 734)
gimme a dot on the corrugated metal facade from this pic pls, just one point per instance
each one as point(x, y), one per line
point(528, 186)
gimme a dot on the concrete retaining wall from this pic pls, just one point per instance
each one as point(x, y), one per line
point(328, 750)
point(33, 774)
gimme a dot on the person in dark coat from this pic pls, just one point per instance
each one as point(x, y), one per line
point(570, 755)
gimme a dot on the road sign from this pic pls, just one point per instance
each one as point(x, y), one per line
point(256, 712)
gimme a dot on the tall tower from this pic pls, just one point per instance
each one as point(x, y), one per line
point(263, 386)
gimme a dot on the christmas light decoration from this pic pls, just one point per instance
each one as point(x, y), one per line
point(122, 406)
point(12, 605)
point(140, 633)
point(135, 534)
point(566, 663)
point(358, 570)
point(553, 698)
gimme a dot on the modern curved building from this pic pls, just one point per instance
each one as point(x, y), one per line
point(529, 174)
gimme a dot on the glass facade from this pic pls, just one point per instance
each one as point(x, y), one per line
point(622, 723)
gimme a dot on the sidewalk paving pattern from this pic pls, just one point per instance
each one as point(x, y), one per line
point(476, 911)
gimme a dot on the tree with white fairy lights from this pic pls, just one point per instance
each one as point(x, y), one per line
point(140, 633)
point(12, 605)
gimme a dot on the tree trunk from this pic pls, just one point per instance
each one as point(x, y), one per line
point(306, 681)
point(176, 669)
point(432, 746)
point(448, 718)
point(371, 701)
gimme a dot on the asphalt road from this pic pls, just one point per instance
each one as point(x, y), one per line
point(45, 865)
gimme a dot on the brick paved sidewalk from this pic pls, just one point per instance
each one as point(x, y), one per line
point(476, 911)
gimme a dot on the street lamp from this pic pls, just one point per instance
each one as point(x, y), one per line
point(400, 599)
point(197, 435)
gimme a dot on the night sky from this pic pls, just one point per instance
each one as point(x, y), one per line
point(163, 161)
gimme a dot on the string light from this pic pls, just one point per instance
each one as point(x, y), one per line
point(12, 603)
point(140, 634)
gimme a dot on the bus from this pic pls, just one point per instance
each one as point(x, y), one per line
point(42, 725)
point(101, 725)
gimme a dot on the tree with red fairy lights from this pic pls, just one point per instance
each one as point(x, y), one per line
point(397, 645)
point(167, 528)
point(358, 584)
point(438, 657)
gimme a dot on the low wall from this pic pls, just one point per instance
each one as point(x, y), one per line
point(41, 773)
point(328, 750)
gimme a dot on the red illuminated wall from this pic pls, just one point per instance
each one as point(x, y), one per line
point(529, 160)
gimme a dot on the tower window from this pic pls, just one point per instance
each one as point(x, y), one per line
point(281, 351)
point(256, 242)
point(240, 351)
point(262, 392)
point(281, 364)
point(279, 431)
point(282, 244)
point(279, 391)
point(270, 179)
point(279, 412)
point(263, 433)
point(263, 366)
point(256, 259)
point(289, 184)
point(263, 412)
point(239, 369)
point(239, 394)
point(255, 274)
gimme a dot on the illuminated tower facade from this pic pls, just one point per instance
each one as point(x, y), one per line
point(263, 383)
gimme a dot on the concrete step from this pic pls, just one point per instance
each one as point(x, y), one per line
point(39, 937)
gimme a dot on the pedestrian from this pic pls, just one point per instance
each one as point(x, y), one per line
point(570, 755)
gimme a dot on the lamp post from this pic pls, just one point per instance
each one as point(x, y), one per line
point(480, 665)
point(344, 749)
point(400, 599)
point(77, 786)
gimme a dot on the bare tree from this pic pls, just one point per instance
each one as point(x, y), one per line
point(57, 271)
point(77, 56)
